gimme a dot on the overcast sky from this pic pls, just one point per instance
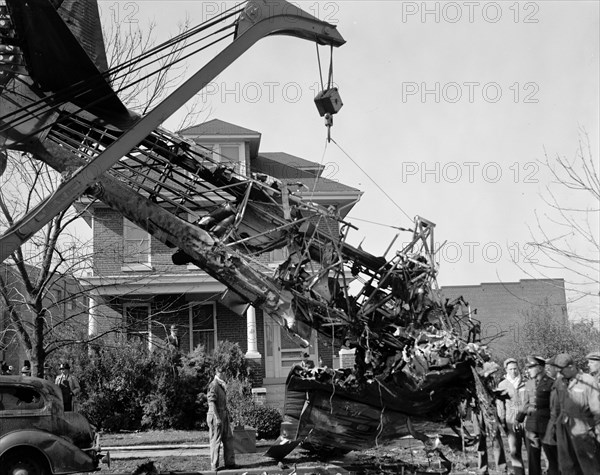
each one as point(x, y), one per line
point(449, 107)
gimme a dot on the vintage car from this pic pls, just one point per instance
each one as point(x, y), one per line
point(37, 437)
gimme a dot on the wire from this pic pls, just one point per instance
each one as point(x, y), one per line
point(330, 78)
point(80, 109)
point(373, 181)
point(320, 71)
point(383, 224)
point(85, 86)
point(320, 165)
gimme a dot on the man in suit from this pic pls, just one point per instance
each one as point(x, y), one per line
point(219, 427)
point(68, 385)
point(173, 338)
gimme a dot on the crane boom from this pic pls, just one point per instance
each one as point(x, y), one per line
point(412, 360)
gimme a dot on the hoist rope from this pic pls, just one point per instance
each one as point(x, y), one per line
point(320, 70)
point(373, 181)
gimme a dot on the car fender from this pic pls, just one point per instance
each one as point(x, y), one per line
point(61, 455)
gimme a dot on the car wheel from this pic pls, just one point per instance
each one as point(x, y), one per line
point(22, 463)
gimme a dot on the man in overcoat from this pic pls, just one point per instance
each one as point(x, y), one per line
point(536, 412)
point(576, 410)
point(219, 427)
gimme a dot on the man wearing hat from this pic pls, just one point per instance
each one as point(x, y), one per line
point(68, 385)
point(577, 412)
point(536, 413)
point(512, 385)
point(594, 364)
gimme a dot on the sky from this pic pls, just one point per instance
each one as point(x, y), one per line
point(450, 110)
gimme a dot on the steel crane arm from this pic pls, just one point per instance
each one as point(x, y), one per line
point(261, 18)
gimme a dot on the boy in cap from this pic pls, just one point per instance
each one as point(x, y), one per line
point(217, 418)
point(508, 409)
point(594, 364)
point(536, 413)
point(577, 411)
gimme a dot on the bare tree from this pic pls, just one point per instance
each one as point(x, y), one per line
point(142, 74)
point(565, 237)
point(39, 285)
point(42, 285)
point(546, 335)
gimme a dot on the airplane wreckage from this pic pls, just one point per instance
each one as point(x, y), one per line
point(414, 358)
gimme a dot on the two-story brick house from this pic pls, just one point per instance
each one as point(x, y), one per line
point(138, 290)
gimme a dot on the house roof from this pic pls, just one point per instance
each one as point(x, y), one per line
point(217, 127)
point(215, 130)
point(326, 192)
point(292, 161)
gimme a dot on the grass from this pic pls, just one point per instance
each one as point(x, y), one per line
point(388, 459)
point(153, 437)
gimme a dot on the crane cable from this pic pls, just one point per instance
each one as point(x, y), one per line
point(82, 86)
point(372, 180)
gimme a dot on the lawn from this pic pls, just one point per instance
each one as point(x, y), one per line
point(154, 437)
point(403, 455)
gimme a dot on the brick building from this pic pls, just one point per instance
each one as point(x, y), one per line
point(502, 307)
point(139, 291)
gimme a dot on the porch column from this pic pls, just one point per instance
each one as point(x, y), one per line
point(92, 317)
point(251, 334)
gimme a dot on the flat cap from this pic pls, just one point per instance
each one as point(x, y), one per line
point(508, 361)
point(562, 360)
point(535, 361)
point(594, 355)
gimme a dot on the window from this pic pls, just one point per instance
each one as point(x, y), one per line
point(18, 398)
point(203, 325)
point(137, 322)
point(136, 244)
point(233, 154)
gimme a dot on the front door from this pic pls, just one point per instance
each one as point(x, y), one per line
point(281, 351)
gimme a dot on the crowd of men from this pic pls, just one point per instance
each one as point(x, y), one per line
point(555, 411)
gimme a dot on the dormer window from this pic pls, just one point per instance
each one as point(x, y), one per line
point(232, 154)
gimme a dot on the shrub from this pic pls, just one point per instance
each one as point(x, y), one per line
point(175, 400)
point(113, 383)
point(231, 357)
point(239, 400)
point(266, 420)
point(127, 387)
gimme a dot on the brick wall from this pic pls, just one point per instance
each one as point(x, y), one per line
point(108, 247)
point(501, 307)
point(108, 242)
